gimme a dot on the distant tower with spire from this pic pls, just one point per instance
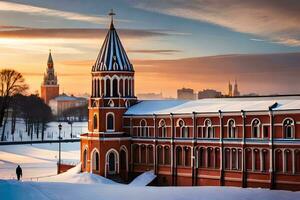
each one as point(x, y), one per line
point(49, 87)
point(235, 90)
point(229, 89)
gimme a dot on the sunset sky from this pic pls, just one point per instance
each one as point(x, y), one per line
point(171, 43)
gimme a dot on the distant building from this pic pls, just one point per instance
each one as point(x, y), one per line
point(235, 92)
point(150, 96)
point(209, 93)
point(63, 102)
point(49, 87)
point(185, 94)
point(229, 89)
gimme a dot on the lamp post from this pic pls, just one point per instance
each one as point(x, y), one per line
point(59, 146)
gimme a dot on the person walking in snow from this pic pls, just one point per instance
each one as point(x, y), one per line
point(19, 172)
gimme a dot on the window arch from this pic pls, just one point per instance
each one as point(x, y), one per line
point(182, 129)
point(115, 87)
point(95, 121)
point(162, 129)
point(110, 122)
point(208, 129)
point(288, 128)
point(95, 160)
point(255, 127)
point(107, 87)
point(143, 128)
point(231, 129)
point(179, 156)
point(84, 158)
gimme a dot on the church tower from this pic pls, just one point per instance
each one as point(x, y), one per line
point(236, 90)
point(106, 146)
point(229, 89)
point(49, 87)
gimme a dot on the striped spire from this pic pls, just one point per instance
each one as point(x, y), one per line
point(112, 56)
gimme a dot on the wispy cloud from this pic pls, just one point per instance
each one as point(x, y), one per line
point(34, 10)
point(276, 20)
point(154, 51)
point(22, 32)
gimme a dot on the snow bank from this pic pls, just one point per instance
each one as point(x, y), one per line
point(143, 179)
point(73, 175)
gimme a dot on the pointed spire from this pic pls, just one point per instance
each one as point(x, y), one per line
point(112, 55)
point(50, 60)
point(111, 14)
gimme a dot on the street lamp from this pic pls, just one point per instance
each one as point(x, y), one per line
point(59, 146)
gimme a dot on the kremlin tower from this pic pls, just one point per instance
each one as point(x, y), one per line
point(49, 87)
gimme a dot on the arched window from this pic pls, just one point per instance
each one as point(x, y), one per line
point(115, 88)
point(98, 88)
point(167, 155)
point(288, 128)
point(183, 131)
point(126, 88)
point(187, 156)
point(231, 129)
point(234, 164)
point(84, 159)
point(143, 128)
point(160, 155)
point(95, 161)
point(123, 159)
point(255, 128)
point(209, 132)
point(95, 121)
point(201, 157)
point(107, 88)
point(110, 122)
point(178, 156)
point(162, 130)
point(150, 154)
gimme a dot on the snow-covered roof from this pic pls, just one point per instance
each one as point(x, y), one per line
point(64, 97)
point(112, 56)
point(150, 107)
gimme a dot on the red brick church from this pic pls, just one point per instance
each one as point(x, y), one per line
point(244, 142)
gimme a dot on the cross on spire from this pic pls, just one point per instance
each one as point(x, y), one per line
point(111, 14)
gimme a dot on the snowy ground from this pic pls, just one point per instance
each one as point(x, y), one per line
point(36, 160)
point(40, 161)
point(51, 131)
point(86, 186)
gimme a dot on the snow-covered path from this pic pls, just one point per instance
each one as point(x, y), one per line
point(36, 160)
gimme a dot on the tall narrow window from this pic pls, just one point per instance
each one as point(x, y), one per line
point(107, 88)
point(288, 128)
point(110, 122)
point(231, 129)
point(115, 88)
point(209, 132)
point(143, 128)
point(95, 122)
point(95, 161)
point(256, 128)
point(162, 129)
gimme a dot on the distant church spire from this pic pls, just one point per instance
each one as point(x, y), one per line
point(50, 60)
point(236, 90)
point(229, 89)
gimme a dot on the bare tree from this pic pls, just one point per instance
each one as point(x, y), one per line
point(11, 83)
